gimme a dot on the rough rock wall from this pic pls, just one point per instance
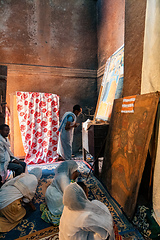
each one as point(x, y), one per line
point(47, 33)
point(110, 31)
point(135, 11)
point(110, 28)
point(51, 46)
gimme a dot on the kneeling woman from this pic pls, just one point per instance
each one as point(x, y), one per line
point(64, 173)
point(84, 219)
point(17, 190)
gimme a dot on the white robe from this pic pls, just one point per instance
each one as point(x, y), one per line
point(151, 83)
point(82, 219)
point(54, 192)
point(23, 185)
point(66, 137)
point(5, 154)
point(54, 197)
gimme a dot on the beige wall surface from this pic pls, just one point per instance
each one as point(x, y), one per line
point(151, 56)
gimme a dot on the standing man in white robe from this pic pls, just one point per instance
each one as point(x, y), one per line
point(66, 130)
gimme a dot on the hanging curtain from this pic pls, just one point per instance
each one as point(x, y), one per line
point(38, 115)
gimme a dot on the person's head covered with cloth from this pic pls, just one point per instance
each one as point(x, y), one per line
point(12, 193)
point(84, 219)
point(26, 183)
point(64, 173)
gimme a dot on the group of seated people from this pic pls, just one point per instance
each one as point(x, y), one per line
point(67, 204)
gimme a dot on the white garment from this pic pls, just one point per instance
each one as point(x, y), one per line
point(82, 219)
point(23, 185)
point(151, 57)
point(5, 154)
point(151, 83)
point(66, 137)
point(54, 198)
point(54, 193)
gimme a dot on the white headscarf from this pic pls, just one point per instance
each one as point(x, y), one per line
point(95, 214)
point(63, 173)
point(23, 185)
point(5, 154)
point(54, 192)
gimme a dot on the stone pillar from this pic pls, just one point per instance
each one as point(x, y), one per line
point(134, 39)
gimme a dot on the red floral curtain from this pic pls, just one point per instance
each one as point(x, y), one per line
point(38, 115)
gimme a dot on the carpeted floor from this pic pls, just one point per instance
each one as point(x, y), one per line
point(146, 223)
point(33, 227)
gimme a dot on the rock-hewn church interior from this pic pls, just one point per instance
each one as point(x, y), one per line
point(79, 119)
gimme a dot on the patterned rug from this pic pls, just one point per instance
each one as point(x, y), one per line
point(33, 227)
point(146, 223)
point(44, 234)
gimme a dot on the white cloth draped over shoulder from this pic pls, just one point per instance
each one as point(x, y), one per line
point(54, 193)
point(5, 154)
point(23, 186)
point(66, 137)
point(84, 219)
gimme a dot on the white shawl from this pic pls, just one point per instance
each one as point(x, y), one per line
point(54, 192)
point(83, 219)
point(5, 154)
point(23, 185)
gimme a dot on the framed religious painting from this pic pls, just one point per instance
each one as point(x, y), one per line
point(126, 149)
point(112, 84)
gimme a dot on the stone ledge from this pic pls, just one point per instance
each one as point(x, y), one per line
point(100, 71)
point(20, 69)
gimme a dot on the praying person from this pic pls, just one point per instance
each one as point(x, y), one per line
point(84, 187)
point(84, 219)
point(66, 130)
point(17, 190)
point(7, 159)
point(64, 173)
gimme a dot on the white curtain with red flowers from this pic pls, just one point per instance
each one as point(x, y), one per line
point(38, 115)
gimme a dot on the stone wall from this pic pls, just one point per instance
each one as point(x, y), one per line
point(51, 46)
point(135, 11)
point(39, 36)
point(110, 31)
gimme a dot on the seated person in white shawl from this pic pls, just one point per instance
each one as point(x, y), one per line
point(84, 219)
point(66, 130)
point(17, 190)
point(64, 173)
point(7, 159)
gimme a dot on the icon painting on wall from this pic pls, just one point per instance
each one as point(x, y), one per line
point(112, 84)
